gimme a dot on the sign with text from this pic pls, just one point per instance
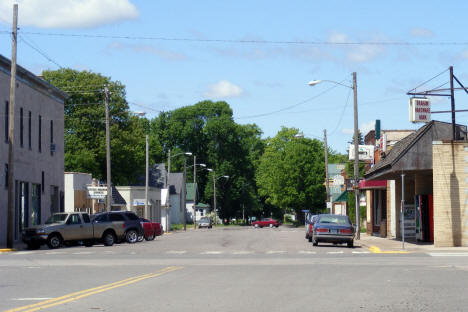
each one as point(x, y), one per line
point(420, 110)
point(366, 152)
point(97, 192)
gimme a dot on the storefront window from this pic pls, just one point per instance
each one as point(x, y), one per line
point(35, 216)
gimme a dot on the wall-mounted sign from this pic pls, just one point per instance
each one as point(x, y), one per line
point(419, 110)
point(138, 202)
point(97, 192)
point(366, 152)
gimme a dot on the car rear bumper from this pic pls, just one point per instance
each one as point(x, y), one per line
point(332, 238)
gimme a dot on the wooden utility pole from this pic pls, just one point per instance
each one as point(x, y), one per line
point(11, 133)
point(168, 198)
point(356, 160)
point(194, 192)
point(148, 215)
point(184, 190)
point(108, 156)
point(327, 185)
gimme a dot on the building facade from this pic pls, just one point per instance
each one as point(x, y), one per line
point(38, 149)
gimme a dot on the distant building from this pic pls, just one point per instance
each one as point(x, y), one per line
point(38, 150)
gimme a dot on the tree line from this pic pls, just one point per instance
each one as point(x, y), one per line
point(267, 176)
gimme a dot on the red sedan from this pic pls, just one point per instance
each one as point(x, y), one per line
point(151, 229)
point(266, 222)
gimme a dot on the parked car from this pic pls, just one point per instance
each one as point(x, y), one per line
point(204, 222)
point(151, 229)
point(309, 226)
point(128, 220)
point(266, 222)
point(335, 229)
point(71, 228)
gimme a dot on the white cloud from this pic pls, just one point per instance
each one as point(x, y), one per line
point(366, 127)
point(69, 13)
point(223, 89)
point(347, 131)
point(464, 55)
point(338, 38)
point(148, 49)
point(421, 32)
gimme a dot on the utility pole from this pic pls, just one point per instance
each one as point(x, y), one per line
point(326, 167)
point(356, 160)
point(184, 189)
point(194, 192)
point(108, 156)
point(452, 102)
point(147, 177)
point(168, 187)
point(214, 193)
point(11, 133)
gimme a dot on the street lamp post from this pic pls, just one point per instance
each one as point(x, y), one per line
point(214, 192)
point(356, 148)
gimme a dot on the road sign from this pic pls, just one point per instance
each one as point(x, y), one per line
point(97, 192)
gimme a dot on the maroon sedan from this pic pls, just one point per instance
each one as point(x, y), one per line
point(266, 222)
point(151, 229)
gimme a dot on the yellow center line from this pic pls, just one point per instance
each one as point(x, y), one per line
point(92, 291)
point(376, 249)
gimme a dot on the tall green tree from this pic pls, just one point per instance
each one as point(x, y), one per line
point(291, 173)
point(85, 147)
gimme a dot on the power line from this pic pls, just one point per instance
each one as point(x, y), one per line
point(251, 41)
point(414, 89)
point(289, 107)
point(34, 47)
point(342, 114)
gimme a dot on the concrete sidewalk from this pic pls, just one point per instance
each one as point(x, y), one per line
point(378, 244)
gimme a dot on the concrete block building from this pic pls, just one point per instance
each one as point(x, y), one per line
point(38, 149)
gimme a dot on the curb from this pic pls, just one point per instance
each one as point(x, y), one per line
point(7, 250)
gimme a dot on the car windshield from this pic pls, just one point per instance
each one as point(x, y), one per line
point(57, 218)
point(340, 220)
point(204, 220)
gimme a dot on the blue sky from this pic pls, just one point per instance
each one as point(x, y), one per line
point(256, 78)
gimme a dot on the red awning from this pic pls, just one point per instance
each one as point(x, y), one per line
point(372, 184)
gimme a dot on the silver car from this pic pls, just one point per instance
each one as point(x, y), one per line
point(204, 222)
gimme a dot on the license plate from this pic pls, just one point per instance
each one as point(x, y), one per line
point(334, 231)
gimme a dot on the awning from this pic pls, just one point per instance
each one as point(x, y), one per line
point(342, 198)
point(372, 184)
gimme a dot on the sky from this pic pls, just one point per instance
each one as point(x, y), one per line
point(258, 56)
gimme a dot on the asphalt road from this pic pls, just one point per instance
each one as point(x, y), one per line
point(231, 269)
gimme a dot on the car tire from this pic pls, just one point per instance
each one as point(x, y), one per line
point(150, 238)
point(54, 241)
point(314, 242)
point(271, 225)
point(141, 238)
point(34, 246)
point(350, 244)
point(88, 243)
point(309, 239)
point(131, 237)
point(108, 238)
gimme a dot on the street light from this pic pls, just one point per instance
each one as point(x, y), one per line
point(214, 191)
point(167, 185)
point(356, 147)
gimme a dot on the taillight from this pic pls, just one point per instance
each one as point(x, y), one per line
point(320, 230)
point(311, 227)
point(346, 231)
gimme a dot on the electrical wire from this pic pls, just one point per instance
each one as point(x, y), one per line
point(289, 107)
point(245, 41)
point(34, 47)
point(342, 114)
point(414, 89)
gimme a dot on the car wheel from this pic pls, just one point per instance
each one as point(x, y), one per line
point(34, 246)
point(271, 225)
point(310, 239)
point(54, 241)
point(140, 238)
point(314, 242)
point(131, 236)
point(150, 238)
point(351, 244)
point(88, 243)
point(108, 239)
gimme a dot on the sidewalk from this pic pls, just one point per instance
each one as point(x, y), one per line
point(378, 244)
